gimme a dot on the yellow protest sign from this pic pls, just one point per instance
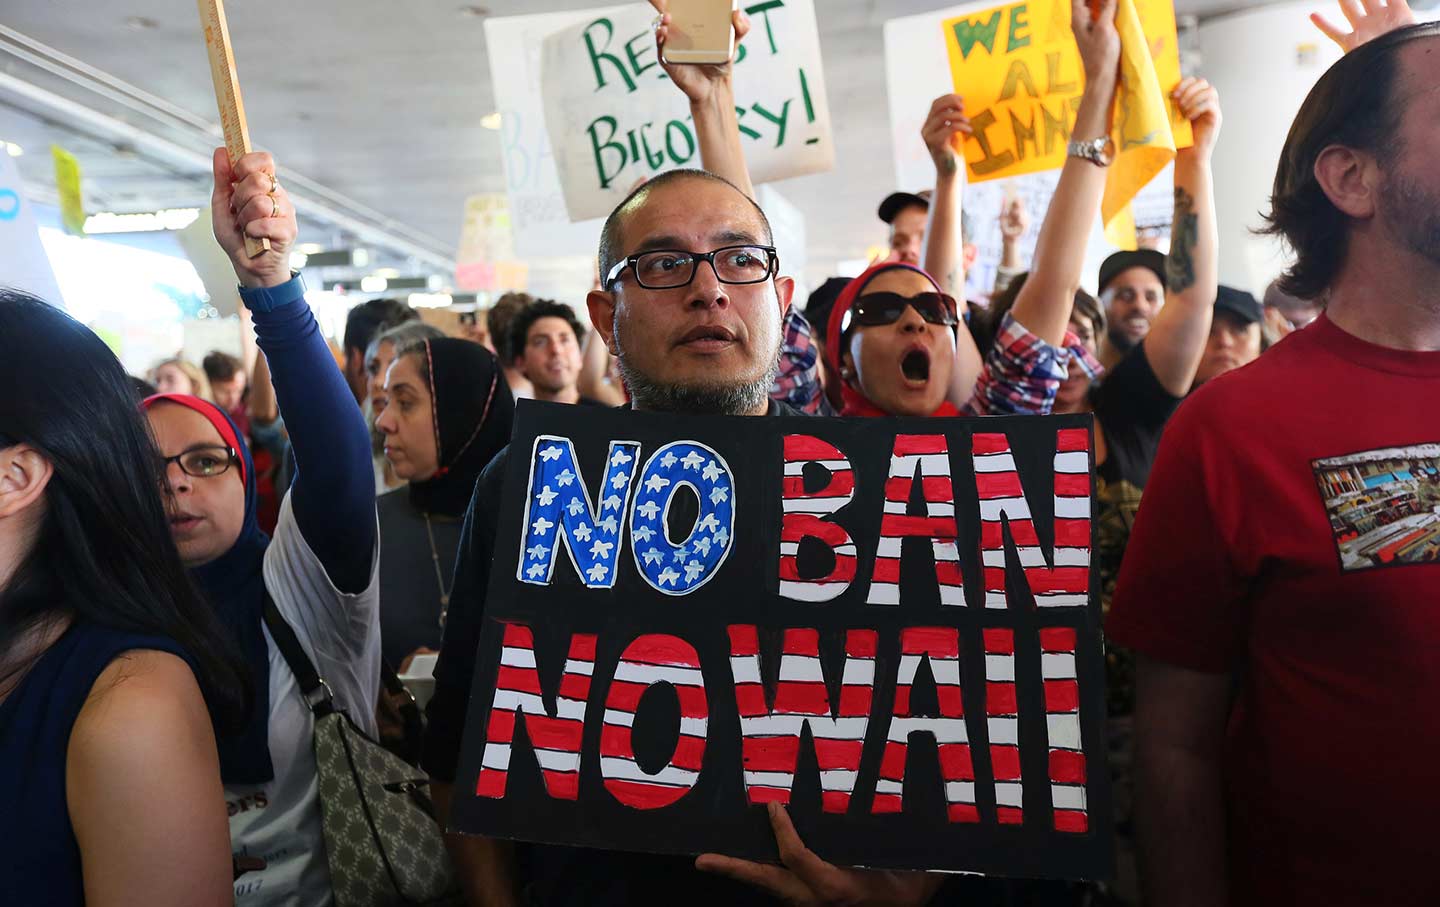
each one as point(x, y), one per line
point(1018, 69)
point(67, 183)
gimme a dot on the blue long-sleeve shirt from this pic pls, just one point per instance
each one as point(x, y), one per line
point(333, 492)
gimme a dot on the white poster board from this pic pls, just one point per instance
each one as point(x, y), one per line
point(23, 262)
point(918, 71)
point(614, 118)
point(538, 220)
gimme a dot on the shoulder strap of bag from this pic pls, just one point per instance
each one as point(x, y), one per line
point(410, 715)
point(315, 689)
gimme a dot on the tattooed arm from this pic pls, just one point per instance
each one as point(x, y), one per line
point(1177, 337)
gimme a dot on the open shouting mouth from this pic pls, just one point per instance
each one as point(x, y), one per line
point(916, 366)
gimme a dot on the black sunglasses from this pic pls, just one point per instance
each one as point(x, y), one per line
point(873, 309)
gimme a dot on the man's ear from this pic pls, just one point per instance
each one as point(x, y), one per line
point(785, 292)
point(602, 317)
point(1350, 179)
point(24, 475)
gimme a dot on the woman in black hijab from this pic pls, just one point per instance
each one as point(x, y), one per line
point(448, 413)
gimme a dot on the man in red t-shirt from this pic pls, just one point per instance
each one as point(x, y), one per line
point(1282, 583)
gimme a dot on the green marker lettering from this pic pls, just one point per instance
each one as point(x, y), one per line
point(1024, 132)
point(780, 121)
point(672, 129)
point(1053, 83)
point(1019, 18)
point(969, 33)
point(740, 123)
point(1018, 74)
point(647, 45)
point(1057, 129)
point(597, 55)
point(992, 161)
point(599, 148)
point(764, 10)
point(655, 159)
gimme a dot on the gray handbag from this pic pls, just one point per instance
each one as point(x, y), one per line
point(382, 841)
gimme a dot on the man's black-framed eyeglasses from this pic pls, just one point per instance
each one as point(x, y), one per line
point(203, 462)
point(667, 269)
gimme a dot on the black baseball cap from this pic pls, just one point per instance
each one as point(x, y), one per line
point(1239, 303)
point(896, 202)
point(1121, 262)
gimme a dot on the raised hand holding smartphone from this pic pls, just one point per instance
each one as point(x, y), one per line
point(699, 31)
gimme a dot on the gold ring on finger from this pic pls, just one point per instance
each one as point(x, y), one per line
point(274, 183)
point(274, 206)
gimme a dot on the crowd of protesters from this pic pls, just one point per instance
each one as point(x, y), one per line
point(164, 541)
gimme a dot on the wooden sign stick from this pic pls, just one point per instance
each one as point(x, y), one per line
point(227, 95)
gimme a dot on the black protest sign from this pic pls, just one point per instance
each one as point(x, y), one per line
point(887, 625)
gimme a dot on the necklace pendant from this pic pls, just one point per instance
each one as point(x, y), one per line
point(444, 601)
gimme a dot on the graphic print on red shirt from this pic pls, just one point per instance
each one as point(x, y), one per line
point(1384, 505)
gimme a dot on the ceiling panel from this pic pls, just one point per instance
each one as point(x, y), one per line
point(382, 101)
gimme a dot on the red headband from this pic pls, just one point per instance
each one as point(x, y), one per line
point(212, 414)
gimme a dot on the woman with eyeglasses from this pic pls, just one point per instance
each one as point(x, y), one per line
point(110, 787)
point(319, 570)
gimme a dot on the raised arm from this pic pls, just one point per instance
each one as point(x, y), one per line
point(1014, 221)
point(711, 92)
point(944, 243)
point(262, 406)
point(1176, 341)
point(1044, 303)
point(333, 493)
point(944, 248)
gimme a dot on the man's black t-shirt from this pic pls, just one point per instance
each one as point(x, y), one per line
point(1131, 407)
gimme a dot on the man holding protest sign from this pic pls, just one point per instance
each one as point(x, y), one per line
point(692, 334)
point(1280, 580)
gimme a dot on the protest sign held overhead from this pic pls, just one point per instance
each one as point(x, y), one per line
point(23, 262)
point(613, 117)
point(674, 600)
point(1020, 74)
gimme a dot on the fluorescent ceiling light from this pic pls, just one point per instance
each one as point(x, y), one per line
point(143, 222)
point(429, 300)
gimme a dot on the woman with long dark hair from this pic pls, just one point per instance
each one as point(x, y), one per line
point(109, 781)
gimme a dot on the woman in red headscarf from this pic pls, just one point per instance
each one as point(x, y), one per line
point(892, 338)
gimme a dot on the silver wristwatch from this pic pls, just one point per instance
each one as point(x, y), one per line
point(1100, 152)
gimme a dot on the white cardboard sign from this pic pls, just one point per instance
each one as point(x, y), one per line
point(613, 117)
point(23, 262)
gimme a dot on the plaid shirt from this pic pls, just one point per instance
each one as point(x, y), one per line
point(1023, 373)
point(798, 383)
